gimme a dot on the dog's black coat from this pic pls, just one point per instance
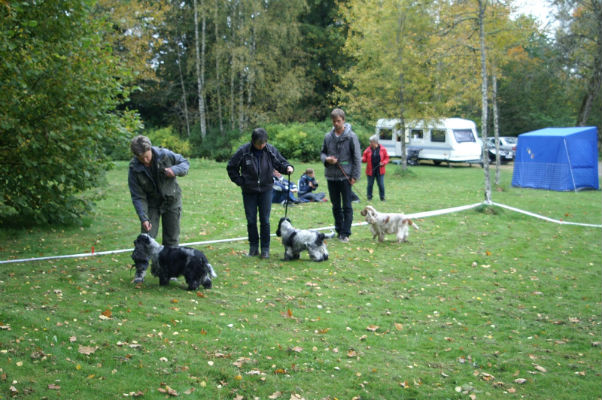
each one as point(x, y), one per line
point(171, 262)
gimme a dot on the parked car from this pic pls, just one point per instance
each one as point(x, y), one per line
point(507, 148)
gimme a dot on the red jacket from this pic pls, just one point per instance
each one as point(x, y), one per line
point(367, 158)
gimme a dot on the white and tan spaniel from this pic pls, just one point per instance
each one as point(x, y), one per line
point(388, 223)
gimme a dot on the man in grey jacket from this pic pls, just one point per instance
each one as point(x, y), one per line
point(154, 189)
point(341, 155)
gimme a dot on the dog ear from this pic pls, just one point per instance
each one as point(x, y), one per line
point(364, 212)
point(387, 219)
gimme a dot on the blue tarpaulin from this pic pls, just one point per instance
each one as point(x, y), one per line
point(563, 159)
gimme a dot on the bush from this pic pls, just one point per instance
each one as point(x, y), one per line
point(303, 142)
point(297, 141)
point(218, 146)
point(166, 138)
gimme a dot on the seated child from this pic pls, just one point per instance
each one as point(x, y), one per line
point(281, 188)
point(307, 185)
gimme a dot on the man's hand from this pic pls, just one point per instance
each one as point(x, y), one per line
point(169, 173)
point(289, 169)
point(352, 181)
point(147, 226)
point(332, 160)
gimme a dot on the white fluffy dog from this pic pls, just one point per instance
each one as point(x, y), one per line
point(383, 223)
point(297, 240)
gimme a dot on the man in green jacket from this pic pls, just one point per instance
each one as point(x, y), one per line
point(154, 188)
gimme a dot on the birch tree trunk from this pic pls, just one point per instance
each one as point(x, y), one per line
point(200, 69)
point(399, 36)
point(184, 97)
point(484, 103)
point(496, 128)
point(217, 71)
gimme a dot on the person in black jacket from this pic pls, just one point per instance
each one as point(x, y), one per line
point(251, 168)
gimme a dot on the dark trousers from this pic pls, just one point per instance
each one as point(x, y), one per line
point(254, 203)
point(170, 219)
point(380, 180)
point(340, 198)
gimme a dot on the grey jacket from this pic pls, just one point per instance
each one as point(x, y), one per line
point(346, 148)
point(165, 193)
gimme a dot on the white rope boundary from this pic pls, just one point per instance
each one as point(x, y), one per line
point(424, 214)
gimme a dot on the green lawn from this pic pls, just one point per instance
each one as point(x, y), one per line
point(485, 303)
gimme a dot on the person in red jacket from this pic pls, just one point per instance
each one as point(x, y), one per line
point(375, 157)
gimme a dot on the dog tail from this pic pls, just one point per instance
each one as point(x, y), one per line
point(211, 271)
point(329, 235)
point(411, 223)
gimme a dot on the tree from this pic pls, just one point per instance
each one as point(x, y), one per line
point(580, 41)
point(59, 87)
point(402, 67)
point(199, 48)
point(323, 38)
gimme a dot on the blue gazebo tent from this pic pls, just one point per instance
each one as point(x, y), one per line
point(563, 159)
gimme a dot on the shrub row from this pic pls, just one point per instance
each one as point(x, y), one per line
point(296, 141)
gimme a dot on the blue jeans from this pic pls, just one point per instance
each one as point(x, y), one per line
point(380, 180)
point(262, 203)
point(340, 191)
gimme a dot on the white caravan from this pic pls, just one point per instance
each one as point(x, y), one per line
point(447, 139)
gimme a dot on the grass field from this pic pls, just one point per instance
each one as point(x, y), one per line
point(485, 303)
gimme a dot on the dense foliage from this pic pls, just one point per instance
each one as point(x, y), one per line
point(59, 88)
point(203, 73)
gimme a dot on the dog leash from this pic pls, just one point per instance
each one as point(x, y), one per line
point(348, 178)
point(288, 195)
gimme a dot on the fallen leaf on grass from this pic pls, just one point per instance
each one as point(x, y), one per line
point(134, 394)
point(240, 361)
point(275, 395)
point(351, 354)
point(87, 350)
point(372, 328)
point(297, 349)
point(520, 381)
point(167, 390)
point(398, 326)
point(52, 386)
point(540, 368)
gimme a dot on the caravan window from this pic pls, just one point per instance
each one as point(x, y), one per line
point(386, 134)
point(438, 135)
point(464, 135)
point(416, 134)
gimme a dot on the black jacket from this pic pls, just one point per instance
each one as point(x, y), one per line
point(256, 175)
